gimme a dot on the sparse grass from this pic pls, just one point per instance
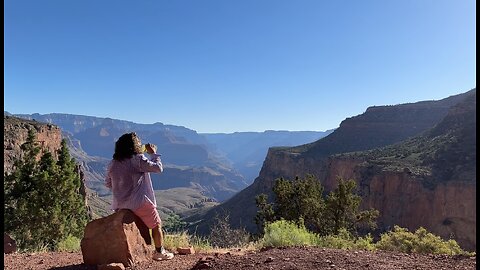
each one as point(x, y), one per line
point(173, 241)
point(183, 239)
point(200, 243)
point(71, 243)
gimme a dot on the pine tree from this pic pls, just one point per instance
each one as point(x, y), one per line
point(43, 205)
point(302, 201)
point(73, 204)
point(342, 209)
point(20, 194)
point(265, 213)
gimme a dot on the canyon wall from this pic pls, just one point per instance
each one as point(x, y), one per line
point(447, 209)
point(15, 133)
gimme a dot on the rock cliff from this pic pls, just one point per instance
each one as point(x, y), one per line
point(446, 208)
point(15, 132)
point(49, 137)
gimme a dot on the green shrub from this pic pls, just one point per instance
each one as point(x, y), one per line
point(365, 243)
point(345, 240)
point(71, 243)
point(283, 233)
point(422, 241)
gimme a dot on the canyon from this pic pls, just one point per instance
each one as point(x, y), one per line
point(407, 187)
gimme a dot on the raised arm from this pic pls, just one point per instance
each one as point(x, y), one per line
point(154, 164)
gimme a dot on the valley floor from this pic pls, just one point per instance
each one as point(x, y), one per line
point(298, 258)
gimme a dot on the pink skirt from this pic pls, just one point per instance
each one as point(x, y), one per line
point(149, 215)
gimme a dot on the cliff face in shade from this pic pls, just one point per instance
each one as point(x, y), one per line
point(395, 188)
point(15, 133)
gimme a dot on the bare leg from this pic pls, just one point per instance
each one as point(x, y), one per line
point(160, 254)
point(157, 235)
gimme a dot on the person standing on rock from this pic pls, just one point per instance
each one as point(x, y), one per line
point(128, 176)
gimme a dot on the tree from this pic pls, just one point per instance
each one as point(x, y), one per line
point(342, 209)
point(302, 201)
point(73, 203)
point(265, 214)
point(173, 223)
point(43, 205)
point(299, 200)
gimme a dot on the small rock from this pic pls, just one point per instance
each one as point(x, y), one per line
point(355, 252)
point(269, 259)
point(328, 261)
point(41, 261)
point(207, 259)
point(185, 250)
point(332, 265)
point(9, 245)
point(204, 265)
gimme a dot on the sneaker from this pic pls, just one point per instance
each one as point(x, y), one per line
point(163, 255)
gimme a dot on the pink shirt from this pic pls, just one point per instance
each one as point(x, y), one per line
point(130, 181)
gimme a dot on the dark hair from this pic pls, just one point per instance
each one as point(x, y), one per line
point(127, 145)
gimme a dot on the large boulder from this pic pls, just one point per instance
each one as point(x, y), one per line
point(118, 238)
point(9, 245)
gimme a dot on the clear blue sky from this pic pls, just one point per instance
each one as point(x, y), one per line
point(225, 66)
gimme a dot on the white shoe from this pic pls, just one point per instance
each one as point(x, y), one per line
point(163, 255)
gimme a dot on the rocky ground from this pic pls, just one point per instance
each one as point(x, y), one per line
point(278, 258)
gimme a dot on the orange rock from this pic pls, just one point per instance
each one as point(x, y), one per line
point(119, 238)
point(185, 250)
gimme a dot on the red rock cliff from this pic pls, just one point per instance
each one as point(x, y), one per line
point(448, 209)
point(15, 132)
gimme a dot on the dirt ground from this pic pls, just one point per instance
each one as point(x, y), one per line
point(299, 258)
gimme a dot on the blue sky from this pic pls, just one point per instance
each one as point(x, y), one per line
point(225, 66)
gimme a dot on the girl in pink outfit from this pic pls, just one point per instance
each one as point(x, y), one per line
point(128, 176)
